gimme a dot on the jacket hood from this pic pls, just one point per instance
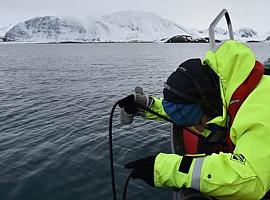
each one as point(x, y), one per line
point(232, 62)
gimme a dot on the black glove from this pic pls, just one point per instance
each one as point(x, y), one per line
point(143, 169)
point(130, 108)
point(128, 103)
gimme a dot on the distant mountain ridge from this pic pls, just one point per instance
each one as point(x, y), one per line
point(4, 30)
point(45, 29)
point(117, 27)
point(243, 34)
point(124, 26)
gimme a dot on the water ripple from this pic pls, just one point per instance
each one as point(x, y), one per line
point(55, 102)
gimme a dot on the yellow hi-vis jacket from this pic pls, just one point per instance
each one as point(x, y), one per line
point(244, 174)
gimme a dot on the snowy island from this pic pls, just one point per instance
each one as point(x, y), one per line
point(126, 26)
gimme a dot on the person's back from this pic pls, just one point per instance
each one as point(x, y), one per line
point(251, 130)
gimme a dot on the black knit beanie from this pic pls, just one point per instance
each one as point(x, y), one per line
point(197, 81)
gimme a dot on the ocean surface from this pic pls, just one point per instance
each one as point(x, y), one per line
point(55, 101)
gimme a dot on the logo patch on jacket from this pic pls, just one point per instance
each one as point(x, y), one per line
point(239, 158)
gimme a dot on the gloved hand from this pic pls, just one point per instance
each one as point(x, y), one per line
point(129, 107)
point(143, 169)
point(128, 104)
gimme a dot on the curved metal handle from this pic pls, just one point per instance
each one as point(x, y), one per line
point(213, 26)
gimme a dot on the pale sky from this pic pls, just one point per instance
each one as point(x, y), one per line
point(190, 13)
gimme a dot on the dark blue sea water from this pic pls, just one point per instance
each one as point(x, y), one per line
point(55, 102)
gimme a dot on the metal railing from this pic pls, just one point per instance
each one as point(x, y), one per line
point(213, 25)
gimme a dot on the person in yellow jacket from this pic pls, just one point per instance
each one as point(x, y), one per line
point(243, 173)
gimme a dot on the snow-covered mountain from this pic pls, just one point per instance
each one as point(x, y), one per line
point(268, 38)
point(243, 34)
point(137, 26)
point(46, 29)
point(125, 26)
point(4, 30)
point(220, 33)
point(116, 27)
point(248, 34)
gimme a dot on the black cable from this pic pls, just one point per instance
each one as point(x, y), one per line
point(111, 151)
point(111, 147)
point(153, 112)
point(124, 193)
point(167, 119)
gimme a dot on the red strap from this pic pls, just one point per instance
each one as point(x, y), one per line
point(190, 142)
point(240, 95)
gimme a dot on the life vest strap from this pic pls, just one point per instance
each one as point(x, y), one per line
point(240, 95)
